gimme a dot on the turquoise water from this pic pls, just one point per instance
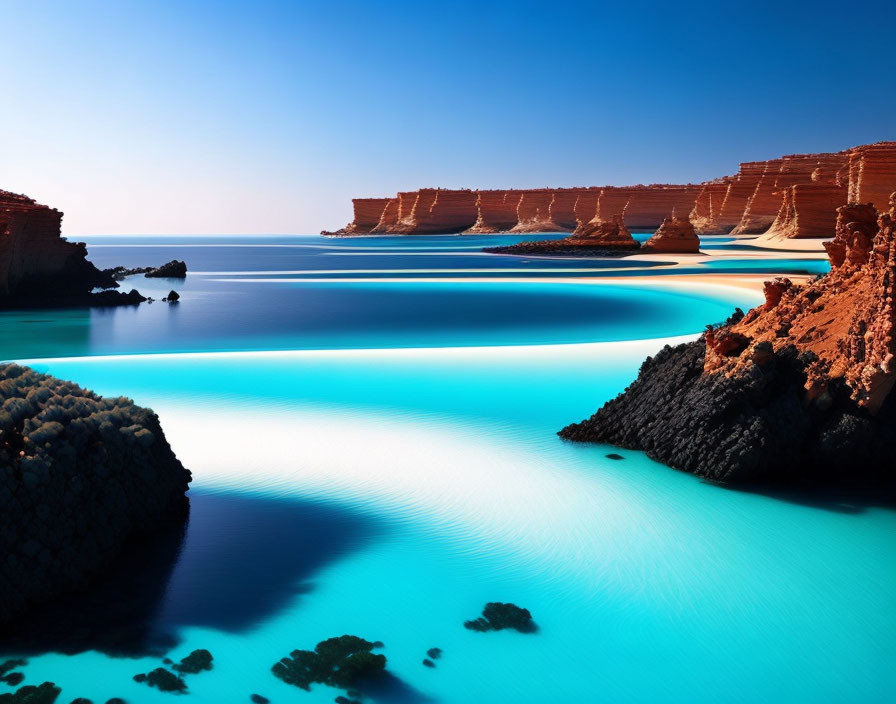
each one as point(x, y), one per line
point(391, 492)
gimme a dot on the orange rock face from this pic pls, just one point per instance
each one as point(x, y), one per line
point(388, 218)
point(435, 211)
point(367, 215)
point(872, 174)
point(535, 212)
point(674, 235)
point(846, 319)
point(610, 234)
point(808, 210)
point(791, 196)
point(648, 206)
point(496, 211)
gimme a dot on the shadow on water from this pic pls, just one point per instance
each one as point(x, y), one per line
point(236, 561)
point(389, 689)
point(844, 499)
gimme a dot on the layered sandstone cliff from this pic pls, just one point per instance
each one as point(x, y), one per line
point(797, 389)
point(496, 211)
point(808, 210)
point(39, 267)
point(435, 211)
point(80, 475)
point(790, 196)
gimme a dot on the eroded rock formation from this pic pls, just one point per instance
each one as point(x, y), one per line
point(80, 475)
point(496, 211)
point(790, 196)
point(797, 389)
point(808, 210)
point(40, 268)
point(675, 235)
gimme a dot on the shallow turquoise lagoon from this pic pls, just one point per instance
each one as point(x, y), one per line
point(390, 493)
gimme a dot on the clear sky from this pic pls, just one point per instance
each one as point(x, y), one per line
point(268, 117)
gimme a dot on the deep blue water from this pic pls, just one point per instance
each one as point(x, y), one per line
point(314, 293)
point(352, 482)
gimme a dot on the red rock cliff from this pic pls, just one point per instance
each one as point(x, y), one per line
point(846, 319)
point(435, 211)
point(496, 211)
point(33, 254)
point(759, 196)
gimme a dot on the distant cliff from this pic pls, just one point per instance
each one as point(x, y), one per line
point(792, 196)
point(39, 267)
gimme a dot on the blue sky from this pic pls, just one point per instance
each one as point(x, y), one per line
point(220, 117)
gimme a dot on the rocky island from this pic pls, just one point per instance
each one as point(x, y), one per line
point(798, 389)
point(80, 475)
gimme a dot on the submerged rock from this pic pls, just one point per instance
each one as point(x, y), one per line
point(258, 699)
point(46, 693)
point(434, 653)
point(162, 679)
point(6, 672)
point(428, 663)
point(197, 661)
point(497, 616)
point(338, 662)
point(80, 475)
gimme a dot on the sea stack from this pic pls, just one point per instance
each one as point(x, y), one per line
point(675, 235)
point(796, 390)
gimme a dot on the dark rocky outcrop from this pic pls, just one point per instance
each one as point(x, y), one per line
point(797, 390)
point(46, 693)
point(162, 679)
point(197, 661)
point(175, 269)
point(80, 475)
point(40, 269)
point(340, 662)
point(497, 616)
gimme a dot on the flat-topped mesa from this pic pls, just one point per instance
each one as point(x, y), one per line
point(435, 211)
point(675, 235)
point(367, 215)
point(798, 389)
point(38, 266)
point(759, 198)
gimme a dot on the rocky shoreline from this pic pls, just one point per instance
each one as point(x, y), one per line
point(797, 390)
point(80, 476)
